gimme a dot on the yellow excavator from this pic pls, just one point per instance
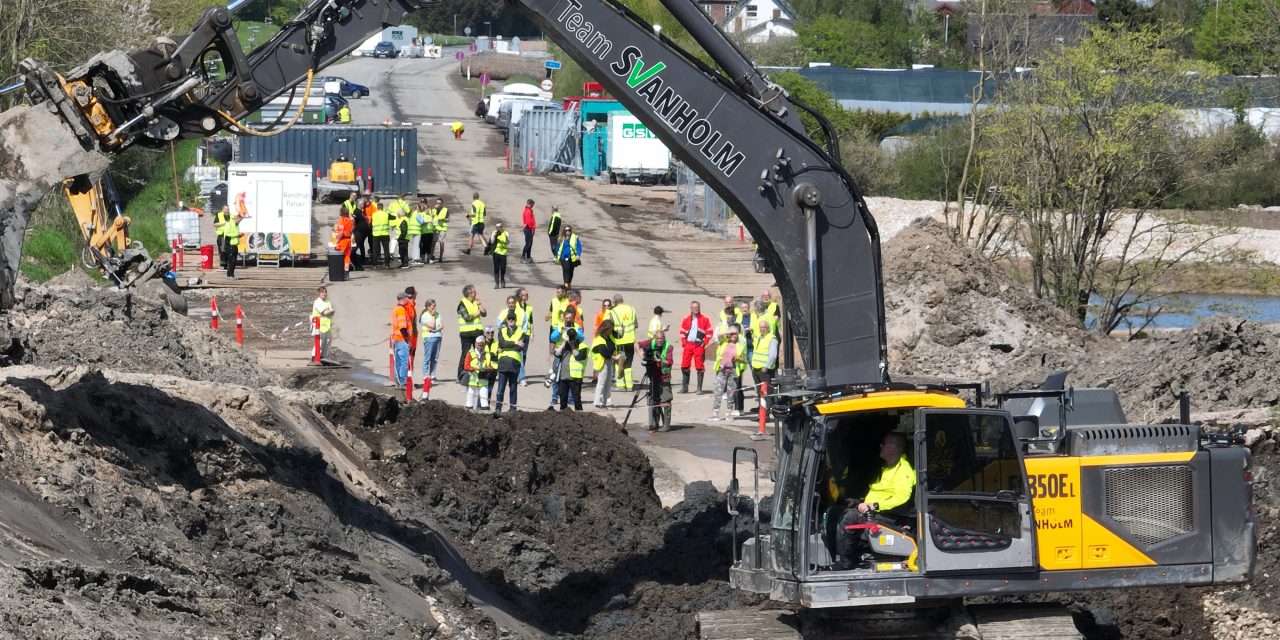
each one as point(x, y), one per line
point(108, 247)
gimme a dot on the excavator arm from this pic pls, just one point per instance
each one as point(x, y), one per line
point(735, 129)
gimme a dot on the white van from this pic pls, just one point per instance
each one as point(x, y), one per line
point(514, 91)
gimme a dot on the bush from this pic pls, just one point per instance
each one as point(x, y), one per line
point(930, 168)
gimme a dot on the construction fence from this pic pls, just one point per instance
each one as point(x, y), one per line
point(546, 141)
point(698, 204)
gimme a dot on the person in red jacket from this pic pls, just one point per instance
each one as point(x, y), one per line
point(695, 335)
point(529, 224)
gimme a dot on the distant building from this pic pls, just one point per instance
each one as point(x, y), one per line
point(915, 92)
point(758, 21)
point(717, 10)
point(1026, 38)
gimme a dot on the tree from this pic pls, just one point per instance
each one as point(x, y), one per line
point(1241, 35)
point(1079, 151)
point(867, 34)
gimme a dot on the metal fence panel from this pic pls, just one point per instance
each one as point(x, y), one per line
point(699, 204)
point(391, 152)
point(547, 140)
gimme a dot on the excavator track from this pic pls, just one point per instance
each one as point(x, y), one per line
point(744, 624)
point(981, 622)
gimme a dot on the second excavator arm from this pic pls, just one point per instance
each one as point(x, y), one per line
point(733, 127)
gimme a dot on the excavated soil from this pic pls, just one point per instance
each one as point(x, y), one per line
point(153, 482)
point(558, 511)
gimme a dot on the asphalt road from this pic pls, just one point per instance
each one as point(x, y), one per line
point(632, 245)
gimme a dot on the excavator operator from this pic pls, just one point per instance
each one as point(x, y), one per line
point(890, 490)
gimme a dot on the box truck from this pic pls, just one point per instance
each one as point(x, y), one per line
point(276, 200)
point(404, 37)
point(634, 153)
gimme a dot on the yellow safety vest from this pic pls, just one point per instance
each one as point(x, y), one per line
point(551, 224)
point(473, 310)
point(441, 218)
point(480, 362)
point(760, 351)
point(326, 322)
point(524, 317)
point(573, 247)
point(350, 207)
point(597, 360)
point(477, 211)
point(500, 243)
point(578, 363)
point(739, 360)
point(512, 352)
point(380, 222)
point(756, 318)
point(624, 323)
point(221, 224)
point(655, 325)
point(232, 230)
point(415, 224)
point(423, 324)
point(558, 305)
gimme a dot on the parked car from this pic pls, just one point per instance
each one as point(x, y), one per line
point(385, 49)
point(346, 89)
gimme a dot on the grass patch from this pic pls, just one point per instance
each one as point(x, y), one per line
point(520, 77)
point(449, 40)
point(148, 207)
point(48, 252)
point(259, 31)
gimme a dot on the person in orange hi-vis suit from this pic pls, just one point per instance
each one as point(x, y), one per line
point(342, 232)
point(401, 323)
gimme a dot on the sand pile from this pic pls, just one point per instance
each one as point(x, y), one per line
point(952, 314)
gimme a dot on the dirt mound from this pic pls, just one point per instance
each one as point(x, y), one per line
point(499, 66)
point(953, 314)
point(54, 325)
point(1225, 364)
point(141, 507)
point(558, 511)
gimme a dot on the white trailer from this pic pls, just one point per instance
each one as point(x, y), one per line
point(276, 199)
point(635, 154)
point(404, 37)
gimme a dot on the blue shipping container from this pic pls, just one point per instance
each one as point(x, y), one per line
point(391, 152)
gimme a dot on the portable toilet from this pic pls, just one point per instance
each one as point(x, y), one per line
point(595, 134)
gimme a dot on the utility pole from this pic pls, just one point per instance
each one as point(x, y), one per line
point(455, 24)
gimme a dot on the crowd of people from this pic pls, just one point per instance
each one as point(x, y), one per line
point(368, 228)
point(612, 353)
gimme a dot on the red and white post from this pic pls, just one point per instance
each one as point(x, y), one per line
point(213, 307)
point(182, 259)
point(239, 326)
point(408, 380)
point(426, 387)
point(761, 433)
point(315, 339)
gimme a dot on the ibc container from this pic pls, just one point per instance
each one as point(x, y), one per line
point(182, 223)
point(392, 152)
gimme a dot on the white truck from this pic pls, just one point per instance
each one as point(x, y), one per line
point(404, 37)
point(276, 200)
point(635, 154)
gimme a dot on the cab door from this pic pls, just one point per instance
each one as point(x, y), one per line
point(975, 510)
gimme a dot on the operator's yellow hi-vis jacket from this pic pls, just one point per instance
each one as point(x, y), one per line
point(894, 486)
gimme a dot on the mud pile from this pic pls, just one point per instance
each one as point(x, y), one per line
point(152, 507)
point(558, 511)
point(79, 323)
point(952, 314)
